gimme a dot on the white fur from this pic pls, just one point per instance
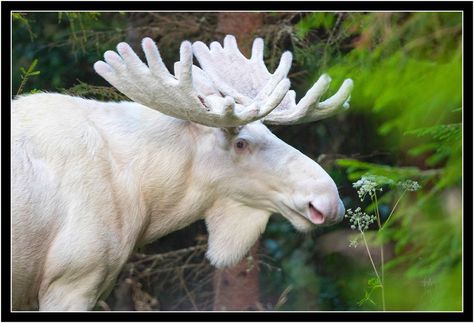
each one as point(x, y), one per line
point(91, 181)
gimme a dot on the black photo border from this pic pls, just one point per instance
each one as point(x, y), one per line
point(465, 6)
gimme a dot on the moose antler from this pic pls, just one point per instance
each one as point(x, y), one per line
point(246, 79)
point(189, 94)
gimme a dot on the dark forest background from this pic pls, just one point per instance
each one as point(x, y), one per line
point(404, 123)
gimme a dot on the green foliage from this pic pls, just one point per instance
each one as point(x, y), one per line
point(373, 284)
point(407, 71)
point(26, 74)
point(78, 35)
point(357, 169)
point(417, 223)
point(360, 221)
point(444, 147)
point(313, 21)
point(304, 282)
point(67, 45)
point(396, 66)
point(104, 93)
point(23, 21)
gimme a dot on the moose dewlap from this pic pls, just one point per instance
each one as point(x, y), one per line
point(91, 180)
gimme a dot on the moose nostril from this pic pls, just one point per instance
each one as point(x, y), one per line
point(315, 215)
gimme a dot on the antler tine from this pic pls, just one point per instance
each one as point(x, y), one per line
point(235, 75)
point(248, 79)
point(309, 108)
point(180, 96)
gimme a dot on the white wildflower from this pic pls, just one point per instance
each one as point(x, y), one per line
point(365, 186)
point(359, 220)
point(409, 185)
point(353, 243)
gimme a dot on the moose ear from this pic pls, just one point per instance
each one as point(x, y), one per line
point(233, 229)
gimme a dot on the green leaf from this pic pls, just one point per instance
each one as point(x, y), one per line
point(357, 169)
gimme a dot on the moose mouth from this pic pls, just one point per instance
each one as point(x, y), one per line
point(311, 216)
point(315, 216)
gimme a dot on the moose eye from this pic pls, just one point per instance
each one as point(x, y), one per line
point(240, 144)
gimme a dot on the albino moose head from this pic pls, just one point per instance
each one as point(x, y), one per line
point(249, 170)
point(190, 146)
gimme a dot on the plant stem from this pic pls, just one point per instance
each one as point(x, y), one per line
point(382, 282)
point(377, 210)
point(391, 213)
point(22, 84)
point(383, 277)
point(381, 227)
point(370, 256)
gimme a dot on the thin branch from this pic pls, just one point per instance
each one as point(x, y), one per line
point(391, 213)
point(370, 256)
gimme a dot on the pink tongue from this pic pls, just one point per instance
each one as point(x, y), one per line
point(315, 216)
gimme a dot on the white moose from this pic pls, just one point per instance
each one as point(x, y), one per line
point(91, 181)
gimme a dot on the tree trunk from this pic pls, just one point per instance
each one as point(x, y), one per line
point(237, 288)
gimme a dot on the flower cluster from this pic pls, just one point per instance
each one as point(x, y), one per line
point(364, 186)
point(409, 185)
point(359, 220)
point(353, 243)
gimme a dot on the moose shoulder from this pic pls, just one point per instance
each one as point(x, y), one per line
point(93, 180)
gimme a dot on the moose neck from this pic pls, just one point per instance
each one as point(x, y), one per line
point(173, 191)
